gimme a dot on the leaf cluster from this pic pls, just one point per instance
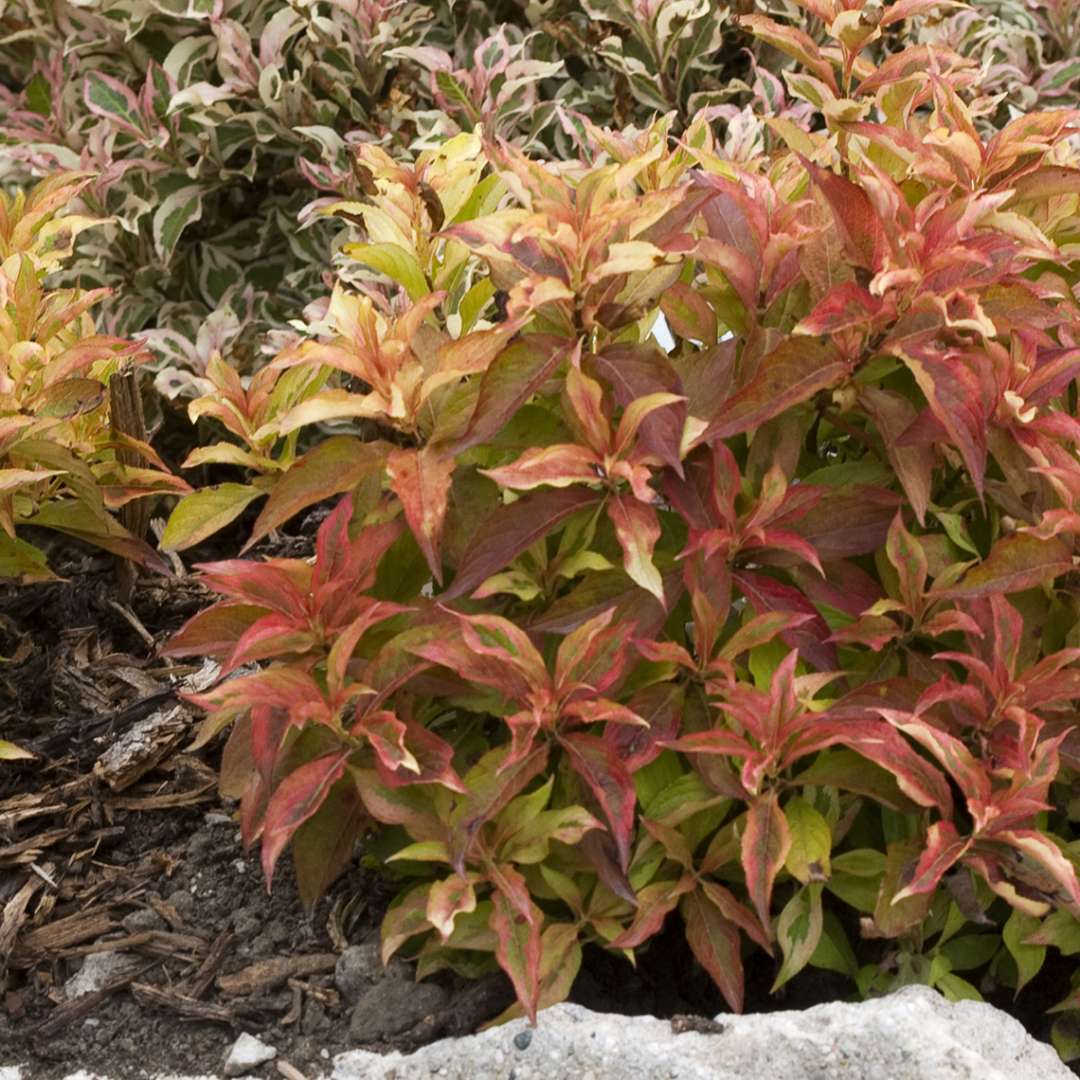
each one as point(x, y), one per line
point(65, 463)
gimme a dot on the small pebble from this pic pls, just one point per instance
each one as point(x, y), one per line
point(141, 920)
point(522, 1040)
point(246, 1054)
point(184, 903)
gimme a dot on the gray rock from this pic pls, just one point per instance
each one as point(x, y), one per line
point(98, 970)
point(392, 1006)
point(315, 1018)
point(914, 1034)
point(183, 902)
point(247, 1053)
point(246, 922)
point(358, 968)
point(136, 922)
point(201, 845)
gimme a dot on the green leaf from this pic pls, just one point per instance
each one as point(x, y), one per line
point(834, 951)
point(1061, 929)
point(811, 842)
point(22, 561)
point(75, 518)
point(971, 951)
point(956, 989)
point(395, 262)
point(176, 212)
point(474, 302)
point(456, 94)
point(111, 99)
point(10, 752)
point(1065, 1035)
point(798, 930)
point(1029, 958)
point(205, 512)
point(39, 95)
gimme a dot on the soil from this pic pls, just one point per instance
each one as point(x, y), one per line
point(153, 879)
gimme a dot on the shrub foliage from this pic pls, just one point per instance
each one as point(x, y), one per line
point(704, 489)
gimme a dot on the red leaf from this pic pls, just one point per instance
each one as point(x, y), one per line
point(847, 521)
point(510, 530)
point(1048, 857)
point(593, 654)
point(296, 799)
point(433, 756)
point(556, 466)
point(953, 390)
point(281, 687)
point(324, 845)
point(908, 557)
point(637, 529)
point(879, 743)
point(587, 412)
point(654, 903)
point(843, 306)
point(736, 912)
point(512, 378)
point(270, 637)
point(792, 41)
point(272, 584)
point(337, 465)
point(1017, 562)
point(519, 950)
point(386, 734)
point(421, 480)
point(765, 843)
point(446, 900)
point(893, 414)
point(714, 942)
point(793, 372)
point(661, 706)
point(856, 220)
point(213, 632)
point(636, 371)
point(944, 848)
point(688, 315)
point(344, 563)
point(512, 885)
point(610, 781)
point(811, 637)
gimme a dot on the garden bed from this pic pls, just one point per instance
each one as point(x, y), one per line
point(156, 875)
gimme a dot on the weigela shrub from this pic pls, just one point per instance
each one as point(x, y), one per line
point(706, 544)
point(65, 462)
